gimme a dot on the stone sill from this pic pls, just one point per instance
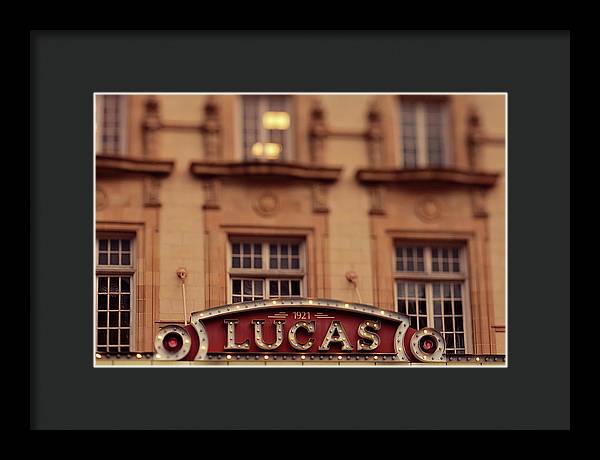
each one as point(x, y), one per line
point(428, 176)
point(265, 170)
point(109, 164)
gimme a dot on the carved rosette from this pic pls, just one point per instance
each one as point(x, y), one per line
point(266, 205)
point(428, 209)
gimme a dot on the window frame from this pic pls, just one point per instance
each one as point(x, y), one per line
point(266, 274)
point(122, 125)
point(428, 277)
point(422, 153)
point(117, 270)
point(287, 155)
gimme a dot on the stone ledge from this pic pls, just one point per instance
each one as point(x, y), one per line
point(428, 176)
point(263, 170)
point(108, 164)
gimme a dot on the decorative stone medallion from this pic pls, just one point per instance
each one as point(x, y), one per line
point(267, 204)
point(428, 209)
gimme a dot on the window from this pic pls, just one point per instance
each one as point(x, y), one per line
point(263, 269)
point(111, 125)
point(430, 289)
point(424, 133)
point(267, 127)
point(114, 293)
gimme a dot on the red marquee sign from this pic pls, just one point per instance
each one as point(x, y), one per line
point(299, 329)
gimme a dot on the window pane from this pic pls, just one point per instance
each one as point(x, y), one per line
point(422, 307)
point(236, 299)
point(272, 263)
point(295, 287)
point(257, 249)
point(449, 340)
point(257, 262)
point(411, 307)
point(125, 259)
point(258, 288)
point(114, 284)
point(103, 284)
point(247, 287)
point(102, 301)
point(458, 323)
point(246, 247)
point(125, 245)
point(235, 262)
point(273, 249)
point(436, 290)
point(125, 298)
point(457, 291)
point(124, 284)
point(284, 263)
point(447, 307)
point(103, 245)
point(295, 249)
point(124, 336)
point(413, 322)
point(295, 263)
point(103, 258)
point(124, 319)
point(235, 248)
point(102, 319)
point(273, 288)
point(114, 258)
point(101, 337)
point(448, 324)
point(114, 245)
point(113, 302)
point(113, 319)
point(458, 308)
point(400, 289)
point(113, 336)
point(285, 288)
point(284, 249)
point(460, 341)
point(438, 323)
point(437, 307)
point(247, 262)
point(236, 287)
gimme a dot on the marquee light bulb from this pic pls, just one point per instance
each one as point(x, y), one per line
point(138, 356)
point(98, 355)
point(266, 356)
point(228, 356)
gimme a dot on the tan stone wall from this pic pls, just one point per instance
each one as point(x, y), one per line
point(347, 238)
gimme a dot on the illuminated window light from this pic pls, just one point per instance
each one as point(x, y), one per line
point(266, 150)
point(276, 120)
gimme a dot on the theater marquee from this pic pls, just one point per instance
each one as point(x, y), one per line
point(299, 330)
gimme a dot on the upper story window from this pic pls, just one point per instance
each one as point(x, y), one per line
point(424, 133)
point(267, 123)
point(263, 269)
point(110, 122)
point(115, 274)
point(430, 287)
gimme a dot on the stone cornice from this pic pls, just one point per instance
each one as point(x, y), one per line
point(108, 165)
point(265, 170)
point(427, 176)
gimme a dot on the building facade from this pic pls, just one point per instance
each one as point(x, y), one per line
point(391, 200)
